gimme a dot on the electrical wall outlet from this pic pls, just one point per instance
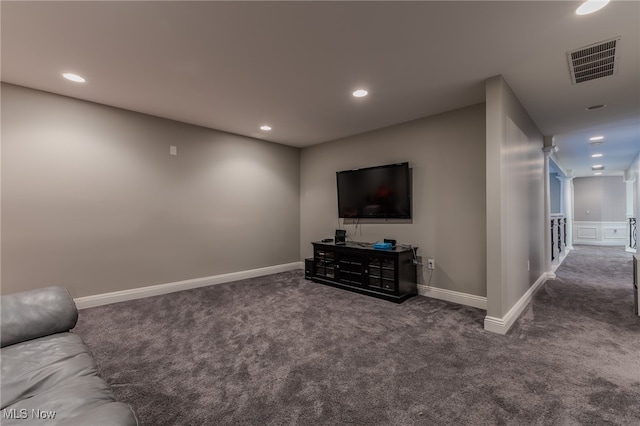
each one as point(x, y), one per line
point(431, 264)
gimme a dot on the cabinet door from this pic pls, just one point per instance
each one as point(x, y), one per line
point(349, 267)
point(381, 273)
point(324, 263)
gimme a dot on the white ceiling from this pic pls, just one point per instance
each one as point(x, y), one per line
point(234, 66)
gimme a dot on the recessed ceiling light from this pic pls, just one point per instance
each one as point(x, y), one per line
point(73, 77)
point(591, 6)
point(596, 155)
point(597, 173)
point(592, 107)
point(360, 93)
point(597, 167)
point(596, 138)
point(265, 128)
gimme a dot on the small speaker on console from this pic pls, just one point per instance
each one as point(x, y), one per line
point(341, 236)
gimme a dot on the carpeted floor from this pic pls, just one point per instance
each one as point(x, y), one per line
point(280, 350)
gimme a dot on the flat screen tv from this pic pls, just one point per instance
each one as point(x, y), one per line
point(382, 192)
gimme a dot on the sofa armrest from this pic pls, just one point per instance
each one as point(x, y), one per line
point(36, 313)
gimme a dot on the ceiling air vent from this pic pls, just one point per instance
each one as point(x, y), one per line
point(594, 61)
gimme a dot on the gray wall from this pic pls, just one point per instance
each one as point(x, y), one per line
point(515, 199)
point(600, 199)
point(92, 200)
point(446, 153)
point(555, 191)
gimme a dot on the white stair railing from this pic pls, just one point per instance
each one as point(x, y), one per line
point(558, 239)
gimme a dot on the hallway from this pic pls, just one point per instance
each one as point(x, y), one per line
point(586, 316)
point(591, 294)
point(596, 282)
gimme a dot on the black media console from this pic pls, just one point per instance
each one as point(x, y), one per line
point(386, 274)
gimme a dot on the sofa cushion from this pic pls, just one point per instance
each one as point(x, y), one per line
point(57, 374)
point(36, 313)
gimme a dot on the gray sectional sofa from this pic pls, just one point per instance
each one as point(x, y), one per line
point(48, 374)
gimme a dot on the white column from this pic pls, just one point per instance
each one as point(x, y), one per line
point(636, 206)
point(548, 150)
point(630, 181)
point(567, 207)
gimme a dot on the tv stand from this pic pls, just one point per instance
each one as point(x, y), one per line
point(358, 267)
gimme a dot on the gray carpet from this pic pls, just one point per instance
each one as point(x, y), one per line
point(280, 350)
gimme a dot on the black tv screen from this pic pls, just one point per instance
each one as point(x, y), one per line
point(375, 192)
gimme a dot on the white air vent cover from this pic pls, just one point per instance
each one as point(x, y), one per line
point(594, 61)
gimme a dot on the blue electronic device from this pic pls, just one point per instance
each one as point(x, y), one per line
point(382, 246)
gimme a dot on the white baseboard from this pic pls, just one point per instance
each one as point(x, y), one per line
point(453, 296)
point(600, 243)
point(502, 325)
point(556, 265)
point(155, 290)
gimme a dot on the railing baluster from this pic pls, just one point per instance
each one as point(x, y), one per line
point(552, 241)
point(559, 237)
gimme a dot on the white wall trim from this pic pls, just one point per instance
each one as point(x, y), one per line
point(453, 296)
point(502, 325)
point(600, 233)
point(155, 290)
